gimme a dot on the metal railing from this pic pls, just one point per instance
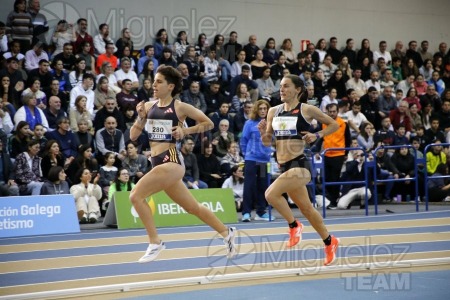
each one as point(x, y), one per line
point(371, 176)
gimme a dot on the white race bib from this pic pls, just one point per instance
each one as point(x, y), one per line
point(285, 126)
point(159, 130)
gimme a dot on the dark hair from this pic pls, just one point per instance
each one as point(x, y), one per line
point(53, 173)
point(409, 91)
point(134, 143)
point(55, 61)
point(87, 76)
point(21, 125)
point(48, 145)
point(268, 41)
point(43, 61)
point(32, 80)
point(159, 34)
point(319, 41)
point(245, 67)
point(434, 118)
point(62, 119)
point(298, 83)
point(77, 70)
point(125, 81)
point(148, 47)
point(265, 68)
point(117, 182)
point(362, 45)
point(216, 39)
point(330, 106)
point(108, 44)
point(107, 155)
point(17, 2)
point(81, 20)
point(343, 103)
point(362, 130)
point(78, 174)
point(102, 26)
point(186, 138)
point(180, 33)
point(81, 162)
point(441, 169)
point(31, 143)
point(148, 74)
point(172, 76)
point(234, 169)
point(82, 148)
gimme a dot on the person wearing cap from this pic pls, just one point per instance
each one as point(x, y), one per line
point(107, 56)
point(125, 72)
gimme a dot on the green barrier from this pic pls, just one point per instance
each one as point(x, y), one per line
point(168, 213)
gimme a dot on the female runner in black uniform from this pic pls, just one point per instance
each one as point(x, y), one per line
point(289, 124)
point(163, 120)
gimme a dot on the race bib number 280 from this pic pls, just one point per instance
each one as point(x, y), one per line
point(159, 130)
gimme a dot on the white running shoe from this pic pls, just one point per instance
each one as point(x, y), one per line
point(152, 252)
point(229, 242)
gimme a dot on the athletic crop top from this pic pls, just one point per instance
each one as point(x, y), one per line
point(160, 121)
point(288, 124)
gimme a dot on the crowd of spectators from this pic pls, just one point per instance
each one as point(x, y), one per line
point(69, 101)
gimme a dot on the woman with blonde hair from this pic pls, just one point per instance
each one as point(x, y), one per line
point(256, 156)
point(286, 49)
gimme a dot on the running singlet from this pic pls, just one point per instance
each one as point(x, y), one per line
point(288, 124)
point(160, 121)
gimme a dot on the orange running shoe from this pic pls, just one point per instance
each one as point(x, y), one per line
point(295, 235)
point(330, 251)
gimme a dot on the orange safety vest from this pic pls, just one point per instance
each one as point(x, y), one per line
point(335, 140)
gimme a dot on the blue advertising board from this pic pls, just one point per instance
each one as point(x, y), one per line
point(37, 215)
